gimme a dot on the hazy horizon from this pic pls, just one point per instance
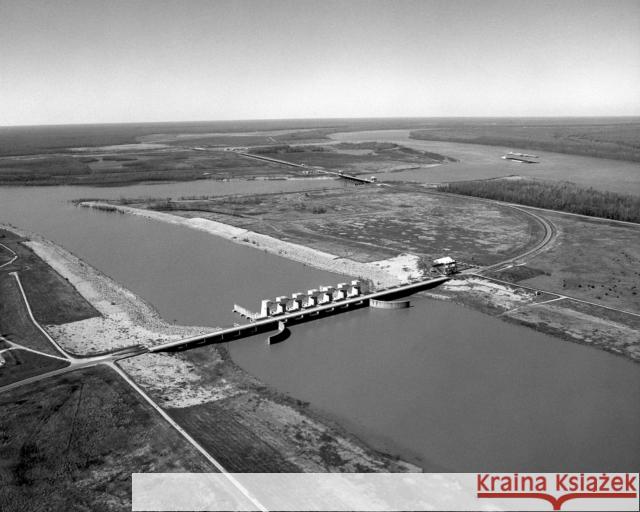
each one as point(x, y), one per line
point(328, 119)
point(98, 62)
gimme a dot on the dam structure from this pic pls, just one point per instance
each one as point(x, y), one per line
point(284, 311)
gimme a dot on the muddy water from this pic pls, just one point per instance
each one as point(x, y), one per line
point(189, 276)
point(456, 390)
point(448, 387)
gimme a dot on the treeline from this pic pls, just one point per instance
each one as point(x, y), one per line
point(561, 196)
point(620, 144)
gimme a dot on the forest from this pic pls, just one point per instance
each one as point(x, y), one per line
point(562, 196)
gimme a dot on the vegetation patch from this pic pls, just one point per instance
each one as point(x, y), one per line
point(15, 323)
point(52, 298)
point(71, 443)
point(15, 170)
point(22, 364)
point(562, 196)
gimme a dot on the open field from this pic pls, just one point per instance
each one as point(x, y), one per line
point(22, 364)
point(72, 442)
point(52, 298)
point(15, 323)
point(604, 138)
point(368, 224)
point(593, 260)
point(242, 423)
point(476, 161)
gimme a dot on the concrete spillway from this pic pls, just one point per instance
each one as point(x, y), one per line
point(305, 315)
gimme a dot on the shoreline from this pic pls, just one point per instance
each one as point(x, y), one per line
point(186, 383)
point(374, 271)
point(546, 312)
point(125, 319)
point(561, 318)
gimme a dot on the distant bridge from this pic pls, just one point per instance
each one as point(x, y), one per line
point(278, 322)
point(337, 174)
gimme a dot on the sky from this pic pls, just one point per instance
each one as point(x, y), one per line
point(103, 61)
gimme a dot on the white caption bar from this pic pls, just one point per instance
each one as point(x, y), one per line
point(366, 492)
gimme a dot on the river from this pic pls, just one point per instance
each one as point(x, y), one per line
point(447, 387)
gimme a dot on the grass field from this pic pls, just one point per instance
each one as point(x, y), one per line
point(72, 442)
point(53, 299)
point(592, 260)
point(368, 224)
point(15, 324)
point(22, 364)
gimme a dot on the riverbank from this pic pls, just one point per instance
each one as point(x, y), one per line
point(381, 273)
point(256, 427)
point(571, 320)
point(124, 320)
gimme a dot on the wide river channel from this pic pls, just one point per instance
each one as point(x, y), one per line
point(438, 384)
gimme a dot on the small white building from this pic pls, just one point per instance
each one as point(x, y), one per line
point(446, 265)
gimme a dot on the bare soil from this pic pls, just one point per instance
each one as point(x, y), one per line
point(245, 425)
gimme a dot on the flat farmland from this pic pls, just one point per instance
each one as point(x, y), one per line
point(476, 161)
point(71, 443)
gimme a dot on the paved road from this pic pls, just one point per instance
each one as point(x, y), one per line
point(15, 257)
point(77, 363)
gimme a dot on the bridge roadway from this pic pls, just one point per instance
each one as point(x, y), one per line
point(337, 174)
point(271, 323)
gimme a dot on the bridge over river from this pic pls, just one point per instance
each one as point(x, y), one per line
point(337, 174)
point(279, 322)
